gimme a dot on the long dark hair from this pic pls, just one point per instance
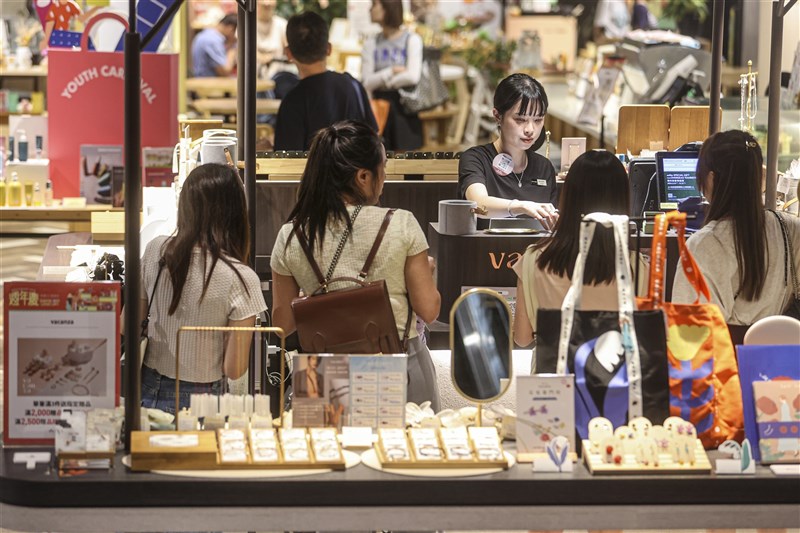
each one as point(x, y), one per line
point(392, 13)
point(212, 215)
point(518, 87)
point(735, 159)
point(596, 181)
point(337, 153)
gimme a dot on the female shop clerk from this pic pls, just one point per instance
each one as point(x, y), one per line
point(507, 177)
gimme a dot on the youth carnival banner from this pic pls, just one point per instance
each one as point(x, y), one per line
point(85, 100)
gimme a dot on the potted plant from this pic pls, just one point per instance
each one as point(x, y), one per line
point(687, 14)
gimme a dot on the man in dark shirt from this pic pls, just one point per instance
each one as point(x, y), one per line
point(322, 97)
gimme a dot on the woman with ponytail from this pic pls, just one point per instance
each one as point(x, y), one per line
point(339, 191)
point(740, 249)
point(199, 277)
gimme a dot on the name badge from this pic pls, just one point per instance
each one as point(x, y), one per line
point(541, 183)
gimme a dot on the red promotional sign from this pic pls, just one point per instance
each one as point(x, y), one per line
point(85, 100)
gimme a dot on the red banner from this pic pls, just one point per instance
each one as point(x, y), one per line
point(85, 100)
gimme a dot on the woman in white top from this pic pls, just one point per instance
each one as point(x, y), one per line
point(201, 278)
point(345, 170)
point(740, 249)
point(389, 61)
point(596, 182)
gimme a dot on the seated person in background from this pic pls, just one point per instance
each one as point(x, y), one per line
point(214, 49)
point(322, 97)
point(527, 184)
point(271, 39)
point(740, 248)
point(612, 20)
point(391, 60)
point(596, 181)
point(642, 19)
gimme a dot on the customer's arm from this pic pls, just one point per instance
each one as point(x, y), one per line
point(371, 79)
point(237, 348)
point(411, 73)
point(284, 290)
point(425, 298)
point(523, 332)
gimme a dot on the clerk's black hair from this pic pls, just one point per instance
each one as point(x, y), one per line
point(518, 87)
point(337, 153)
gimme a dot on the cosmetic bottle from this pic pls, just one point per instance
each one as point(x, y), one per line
point(37, 195)
point(39, 145)
point(2, 191)
point(11, 148)
point(22, 146)
point(14, 191)
point(48, 193)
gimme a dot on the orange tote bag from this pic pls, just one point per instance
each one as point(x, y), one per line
point(703, 374)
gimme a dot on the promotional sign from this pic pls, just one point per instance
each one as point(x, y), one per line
point(61, 351)
point(85, 98)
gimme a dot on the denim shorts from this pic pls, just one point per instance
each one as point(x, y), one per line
point(159, 391)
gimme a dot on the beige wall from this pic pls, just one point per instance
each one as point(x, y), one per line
point(791, 35)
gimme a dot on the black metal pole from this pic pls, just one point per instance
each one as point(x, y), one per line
point(774, 116)
point(247, 116)
point(241, 29)
point(716, 66)
point(133, 208)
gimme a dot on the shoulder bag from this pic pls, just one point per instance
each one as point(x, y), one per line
point(357, 320)
point(704, 386)
point(430, 91)
point(793, 309)
point(618, 357)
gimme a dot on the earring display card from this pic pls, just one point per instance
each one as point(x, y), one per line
point(377, 391)
point(545, 410)
point(778, 420)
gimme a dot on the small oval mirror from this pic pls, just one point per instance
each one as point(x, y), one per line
point(480, 344)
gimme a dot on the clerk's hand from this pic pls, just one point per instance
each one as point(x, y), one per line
point(544, 213)
point(398, 69)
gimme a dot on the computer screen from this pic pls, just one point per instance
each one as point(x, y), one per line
point(677, 177)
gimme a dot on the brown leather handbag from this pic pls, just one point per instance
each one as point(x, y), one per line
point(357, 320)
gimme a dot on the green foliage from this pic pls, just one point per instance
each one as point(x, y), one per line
point(680, 9)
point(492, 58)
point(328, 9)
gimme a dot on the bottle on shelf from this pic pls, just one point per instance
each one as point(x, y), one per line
point(37, 195)
point(27, 189)
point(2, 191)
point(39, 145)
point(10, 148)
point(48, 193)
point(22, 146)
point(14, 190)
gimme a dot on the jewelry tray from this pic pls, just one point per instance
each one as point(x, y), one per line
point(596, 465)
point(414, 462)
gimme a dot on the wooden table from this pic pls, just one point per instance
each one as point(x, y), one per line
point(228, 106)
point(213, 86)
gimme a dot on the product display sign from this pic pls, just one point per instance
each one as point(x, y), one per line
point(545, 410)
point(355, 390)
point(61, 351)
point(85, 99)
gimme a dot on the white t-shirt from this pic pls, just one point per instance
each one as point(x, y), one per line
point(403, 238)
point(225, 299)
point(714, 250)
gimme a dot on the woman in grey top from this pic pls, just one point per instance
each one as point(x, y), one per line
point(740, 249)
point(199, 277)
point(344, 175)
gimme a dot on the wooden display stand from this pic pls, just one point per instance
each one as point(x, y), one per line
point(640, 126)
point(596, 465)
point(688, 124)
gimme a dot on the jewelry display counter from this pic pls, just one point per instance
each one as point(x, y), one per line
point(362, 498)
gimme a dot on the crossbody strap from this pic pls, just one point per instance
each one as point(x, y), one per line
point(146, 321)
point(323, 280)
point(788, 266)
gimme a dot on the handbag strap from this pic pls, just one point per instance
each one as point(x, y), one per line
point(658, 271)
point(378, 239)
point(146, 321)
point(630, 344)
point(788, 251)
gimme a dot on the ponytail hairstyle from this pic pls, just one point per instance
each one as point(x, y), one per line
point(735, 158)
point(596, 182)
point(336, 155)
point(212, 216)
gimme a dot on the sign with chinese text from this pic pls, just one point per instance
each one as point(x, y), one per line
point(61, 351)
